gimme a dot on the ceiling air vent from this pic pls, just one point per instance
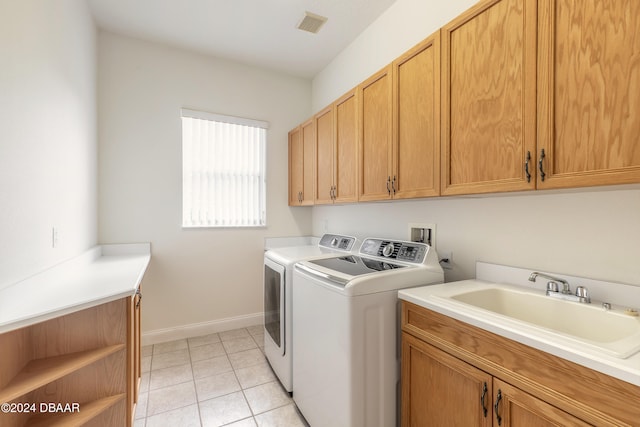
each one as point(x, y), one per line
point(311, 22)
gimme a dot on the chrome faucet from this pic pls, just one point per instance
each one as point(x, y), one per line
point(566, 289)
point(581, 295)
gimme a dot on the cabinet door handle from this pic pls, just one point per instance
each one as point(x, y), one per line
point(526, 166)
point(495, 407)
point(388, 182)
point(483, 399)
point(393, 185)
point(540, 166)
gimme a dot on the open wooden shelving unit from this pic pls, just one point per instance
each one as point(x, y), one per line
point(80, 358)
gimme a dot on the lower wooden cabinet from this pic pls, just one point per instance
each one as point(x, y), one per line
point(439, 389)
point(76, 369)
point(454, 374)
point(514, 407)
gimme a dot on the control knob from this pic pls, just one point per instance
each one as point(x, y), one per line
point(388, 250)
point(334, 242)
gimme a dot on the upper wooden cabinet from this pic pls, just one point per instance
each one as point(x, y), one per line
point(346, 148)
point(416, 121)
point(336, 151)
point(296, 165)
point(324, 156)
point(512, 95)
point(489, 98)
point(375, 150)
point(588, 83)
point(301, 164)
point(400, 119)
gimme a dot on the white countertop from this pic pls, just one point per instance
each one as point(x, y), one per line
point(431, 297)
point(102, 274)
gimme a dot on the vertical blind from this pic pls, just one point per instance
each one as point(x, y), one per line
point(223, 170)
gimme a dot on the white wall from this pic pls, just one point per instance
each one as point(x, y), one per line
point(402, 26)
point(590, 233)
point(195, 275)
point(48, 165)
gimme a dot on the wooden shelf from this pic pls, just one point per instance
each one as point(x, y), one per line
point(40, 372)
point(88, 411)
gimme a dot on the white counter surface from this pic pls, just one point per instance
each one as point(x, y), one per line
point(102, 274)
point(431, 297)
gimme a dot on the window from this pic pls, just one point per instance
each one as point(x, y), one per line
point(223, 170)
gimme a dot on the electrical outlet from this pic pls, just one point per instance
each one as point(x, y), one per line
point(54, 237)
point(446, 260)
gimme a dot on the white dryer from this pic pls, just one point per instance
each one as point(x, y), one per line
point(346, 355)
point(278, 285)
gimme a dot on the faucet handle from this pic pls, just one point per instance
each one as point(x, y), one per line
point(583, 294)
point(552, 286)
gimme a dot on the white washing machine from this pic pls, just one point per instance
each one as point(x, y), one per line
point(346, 352)
point(278, 283)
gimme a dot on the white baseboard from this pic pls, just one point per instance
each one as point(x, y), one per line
point(204, 328)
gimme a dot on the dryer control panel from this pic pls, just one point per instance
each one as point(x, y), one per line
point(336, 241)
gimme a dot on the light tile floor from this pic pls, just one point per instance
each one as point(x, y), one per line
point(221, 379)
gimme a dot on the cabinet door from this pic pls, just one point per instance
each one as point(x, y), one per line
point(588, 83)
point(134, 371)
point(308, 168)
point(324, 156)
point(296, 164)
point(488, 99)
point(416, 121)
point(513, 407)
point(375, 137)
point(346, 148)
point(440, 390)
point(137, 322)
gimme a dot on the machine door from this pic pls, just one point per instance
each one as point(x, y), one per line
point(274, 306)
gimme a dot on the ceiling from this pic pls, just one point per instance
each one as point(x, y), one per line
point(257, 32)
